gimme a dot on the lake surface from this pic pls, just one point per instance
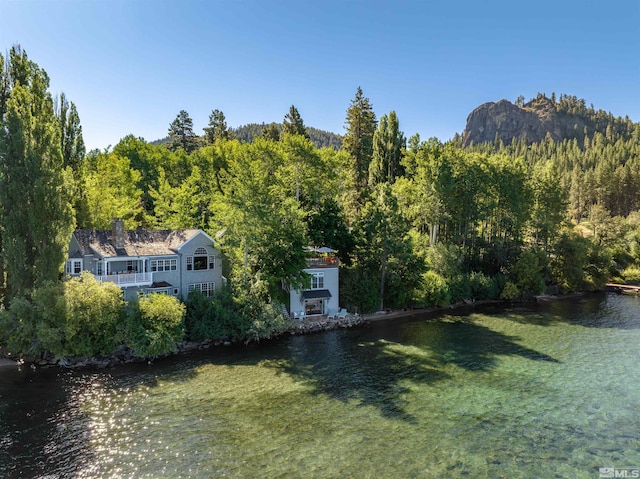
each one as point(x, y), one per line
point(549, 390)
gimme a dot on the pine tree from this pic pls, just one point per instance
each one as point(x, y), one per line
point(358, 141)
point(293, 123)
point(36, 217)
point(217, 129)
point(181, 133)
point(271, 132)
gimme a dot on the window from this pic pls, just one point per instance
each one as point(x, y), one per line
point(200, 260)
point(164, 264)
point(317, 280)
point(206, 289)
point(99, 268)
point(74, 266)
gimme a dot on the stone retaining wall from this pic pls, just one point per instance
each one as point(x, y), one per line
point(322, 323)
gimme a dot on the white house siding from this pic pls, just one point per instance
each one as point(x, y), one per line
point(331, 283)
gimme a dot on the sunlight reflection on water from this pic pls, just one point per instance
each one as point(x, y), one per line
point(547, 391)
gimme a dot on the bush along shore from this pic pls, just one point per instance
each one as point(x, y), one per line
point(310, 325)
point(126, 355)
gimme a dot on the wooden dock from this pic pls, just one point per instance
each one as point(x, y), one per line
point(623, 288)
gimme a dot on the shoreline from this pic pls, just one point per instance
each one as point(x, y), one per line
point(306, 326)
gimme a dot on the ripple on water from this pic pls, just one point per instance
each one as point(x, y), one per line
point(506, 392)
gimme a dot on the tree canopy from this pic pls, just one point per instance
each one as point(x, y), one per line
point(414, 222)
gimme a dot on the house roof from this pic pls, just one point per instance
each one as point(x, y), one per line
point(136, 242)
point(316, 294)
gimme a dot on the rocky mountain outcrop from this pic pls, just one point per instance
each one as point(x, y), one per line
point(533, 120)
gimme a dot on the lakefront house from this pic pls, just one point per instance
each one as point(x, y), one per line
point(146, 261)
point(321, 298)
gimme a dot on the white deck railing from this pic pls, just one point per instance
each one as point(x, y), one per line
point(128, 279)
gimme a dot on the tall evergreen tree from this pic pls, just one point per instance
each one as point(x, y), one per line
point(36, 218)
point(293, 123)
point(217, 129)
point(358, 141)
point(388, 145)
point(181, 133)
point(271, 132)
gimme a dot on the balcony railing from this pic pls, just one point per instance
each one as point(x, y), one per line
point(327, 262)
point(128, 279)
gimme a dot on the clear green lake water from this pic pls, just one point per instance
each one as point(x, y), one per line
point(549, 390)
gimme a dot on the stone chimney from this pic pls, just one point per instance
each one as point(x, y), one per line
point(117, 233)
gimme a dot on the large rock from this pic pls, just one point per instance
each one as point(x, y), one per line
point(533, 121)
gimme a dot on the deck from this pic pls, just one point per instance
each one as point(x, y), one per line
point(623, 288)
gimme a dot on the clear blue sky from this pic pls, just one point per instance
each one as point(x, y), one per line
point(131, 65)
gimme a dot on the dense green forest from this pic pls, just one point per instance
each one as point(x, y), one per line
point(415, 222)
point(247, 133)
point(319, 138)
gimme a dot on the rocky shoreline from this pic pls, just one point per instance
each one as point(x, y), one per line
point(309, 325)
point(124, 355)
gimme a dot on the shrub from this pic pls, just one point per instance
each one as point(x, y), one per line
point(211, 317)
point(359, 291)
point(445, 260)
point(35, 324)
point(155, 324)
point(483, 286)
point(598, 267)
point(435, 290)
point(528, 272)
point(510, 291)
point(459, 287)
point(94, 316)
point(17, 327)
point(568, 261)
point(631, 274)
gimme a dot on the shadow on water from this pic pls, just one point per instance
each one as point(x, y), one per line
point(469, 345)
point(373, 373)
point(44, 425)
point(594, 310)
point(378, 365)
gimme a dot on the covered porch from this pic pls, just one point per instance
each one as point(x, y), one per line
point(315, 302)
point(132, 271)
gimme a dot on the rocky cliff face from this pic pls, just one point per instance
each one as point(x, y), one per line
point(531, 121)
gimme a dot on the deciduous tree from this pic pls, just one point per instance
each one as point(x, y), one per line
point(71, 141)
point(36, 219)
point(388, 145)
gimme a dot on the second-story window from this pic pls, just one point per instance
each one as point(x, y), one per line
point(317, 280)
point(200, 260)
point(164, 264)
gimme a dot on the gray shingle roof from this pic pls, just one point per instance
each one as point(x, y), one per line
point(136, 242)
